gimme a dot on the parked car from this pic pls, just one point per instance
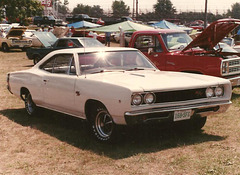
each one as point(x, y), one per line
point(14, 39)
point(127, 37)
point(29, 34)
point(174, 50)
point(114, 86)
point(44, 20)
point(4, 27)
point(36, 54)
point(79, 17)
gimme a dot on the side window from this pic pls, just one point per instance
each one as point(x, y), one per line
point(60, 64)
point(148, 41)
point(61, 43)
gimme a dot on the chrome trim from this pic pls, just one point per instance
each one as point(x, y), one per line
point(223, 105)
point(235, 81)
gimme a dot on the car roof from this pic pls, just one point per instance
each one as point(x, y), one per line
point(93, 49)
point(159, 31)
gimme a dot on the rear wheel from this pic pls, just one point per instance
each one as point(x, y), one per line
point(102, 124)
point(29, 104)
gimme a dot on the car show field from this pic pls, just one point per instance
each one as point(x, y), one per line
point(54, 143)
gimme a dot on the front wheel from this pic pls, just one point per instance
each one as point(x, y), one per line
point(30, 105)
point(198, 123)
point(5, 47)
point(102, 125)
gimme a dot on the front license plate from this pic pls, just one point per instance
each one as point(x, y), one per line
point(182, 115)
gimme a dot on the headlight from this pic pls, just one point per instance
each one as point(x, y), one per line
point(137, 99)
point(149, 98)
point(219, 91)
point(209, 92)
point(224, 67)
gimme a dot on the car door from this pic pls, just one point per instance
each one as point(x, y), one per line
point(151, 46)
point(59, 83)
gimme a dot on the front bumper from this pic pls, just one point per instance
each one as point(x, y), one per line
point(166, 113)
point(235, 81)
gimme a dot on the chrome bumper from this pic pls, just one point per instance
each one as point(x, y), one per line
point(235, 81)
point(201, 109)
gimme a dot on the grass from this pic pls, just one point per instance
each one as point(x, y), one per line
point(53, 143)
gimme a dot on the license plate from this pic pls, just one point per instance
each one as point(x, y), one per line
point(182, 115)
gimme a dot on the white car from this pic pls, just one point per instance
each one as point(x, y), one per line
point(114, 86)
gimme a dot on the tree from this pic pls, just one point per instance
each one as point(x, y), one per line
point(20, 10)
point(164, 9)
point(94, 11)
point(120, 9)
point(235, 12)
point(62, 7)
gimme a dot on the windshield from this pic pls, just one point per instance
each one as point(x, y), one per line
point(176, 41)
point(113, 61)
point(90, 42)
point(225, 48)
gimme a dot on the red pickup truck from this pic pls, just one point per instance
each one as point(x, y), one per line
point(174, 50)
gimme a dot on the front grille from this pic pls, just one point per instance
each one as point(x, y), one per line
point(182, 95)
point(234, 69)
point(234, 62)
point(231, 67)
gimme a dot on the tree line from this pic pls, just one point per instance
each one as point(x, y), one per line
point(163, 9)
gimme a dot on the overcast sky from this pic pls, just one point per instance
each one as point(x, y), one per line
point(181, 5)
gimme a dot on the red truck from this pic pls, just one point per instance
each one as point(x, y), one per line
point(174, 50)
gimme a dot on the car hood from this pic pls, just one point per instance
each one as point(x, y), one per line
point(46, 38)
point(156, 80)
point(213, 34)
point(16, 32)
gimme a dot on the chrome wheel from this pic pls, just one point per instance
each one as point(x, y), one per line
point(104, 124)
point(29, 104)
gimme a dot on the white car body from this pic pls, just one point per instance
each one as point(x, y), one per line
point(116, 88)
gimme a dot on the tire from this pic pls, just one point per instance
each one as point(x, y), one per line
point(5, 47)
point(30, 106)
point(194, 124)
point(198, 123)
point(102, 124)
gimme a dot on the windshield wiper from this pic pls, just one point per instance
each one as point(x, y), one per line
point(135, 68)
point(105, 70)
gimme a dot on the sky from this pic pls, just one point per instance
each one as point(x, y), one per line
point(220, 6)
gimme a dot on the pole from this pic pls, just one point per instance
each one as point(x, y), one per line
point(205, 15)
point(136, 9)
point(133, 9)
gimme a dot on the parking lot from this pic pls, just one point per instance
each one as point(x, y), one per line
point(53, 143)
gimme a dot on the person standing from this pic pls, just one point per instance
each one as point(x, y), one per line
point(107, 38)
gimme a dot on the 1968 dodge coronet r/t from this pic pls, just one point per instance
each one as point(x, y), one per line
point(117, 86)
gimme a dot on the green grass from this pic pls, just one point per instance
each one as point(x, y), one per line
point(53, 143)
